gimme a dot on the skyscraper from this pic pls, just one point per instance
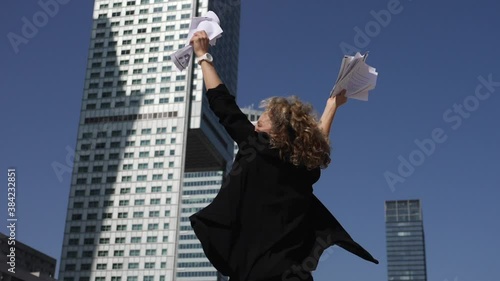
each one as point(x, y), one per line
point(146, 141)
point(405, 240)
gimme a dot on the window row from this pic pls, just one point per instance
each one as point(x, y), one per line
point(120, 215)
point(143, 2)
point(127, 190)
point(116, 253)
point(136, 60)
point(142, 40)
point(122, 93)
point(129, 117)
point(115, 156)
point(197, 201)
point(104, 266)
point(129, 143)
point(129, 132)
point(138, 178)
point(113, 73)
point(113, 278)
point(191, 255)
point(117, 104)
point(110, 203)
point(200, 192)
point(125, 167)
point(202, 183)
point(196, 273)
point(101, 33)
point(120, 227)
point(203, 174)
point(153, 69)
point(118, 240)
point(133, 12)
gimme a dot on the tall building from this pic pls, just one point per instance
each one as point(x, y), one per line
point(405, 240)
point(146, 139)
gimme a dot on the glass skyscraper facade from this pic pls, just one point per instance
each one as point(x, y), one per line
point(149, 151)
point(405, 240)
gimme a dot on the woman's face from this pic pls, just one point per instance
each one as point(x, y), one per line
point(263, 124)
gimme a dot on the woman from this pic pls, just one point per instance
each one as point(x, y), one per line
point(265, 223)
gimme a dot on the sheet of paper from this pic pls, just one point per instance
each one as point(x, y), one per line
point(210, 24)
point(356, 77)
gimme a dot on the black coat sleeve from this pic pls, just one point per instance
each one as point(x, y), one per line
point(230, 116)
point(328, 232)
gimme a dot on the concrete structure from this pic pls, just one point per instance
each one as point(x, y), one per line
point(29, 264)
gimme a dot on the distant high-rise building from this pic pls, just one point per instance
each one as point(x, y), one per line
point(28, 264)
point(148, 147)
point(405, 240)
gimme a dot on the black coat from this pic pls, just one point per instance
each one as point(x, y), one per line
point(265, 221)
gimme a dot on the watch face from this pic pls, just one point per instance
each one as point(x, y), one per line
point(209, 57)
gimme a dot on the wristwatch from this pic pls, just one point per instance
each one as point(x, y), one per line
point(208, 57)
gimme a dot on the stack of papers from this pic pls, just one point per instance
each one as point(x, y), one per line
point(356, 77)
point(210, 23)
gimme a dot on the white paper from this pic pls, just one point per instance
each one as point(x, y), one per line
point(356, 77)
point(210, 23)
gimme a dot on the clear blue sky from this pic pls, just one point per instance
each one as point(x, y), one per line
point(429, 56)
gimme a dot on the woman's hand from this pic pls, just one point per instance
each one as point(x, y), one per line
point(200, 43)
point(338, 100)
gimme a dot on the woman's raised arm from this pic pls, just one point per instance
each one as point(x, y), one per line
point(200, 43)
point(332, 104)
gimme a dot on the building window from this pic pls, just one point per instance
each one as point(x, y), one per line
point(151, 252)
point(125, 190)
point(122, 215)
point(119, 240)
point(102, 253)
point(137, 227)
point(103, 240)
point(101, 266)
point(118, 253)
point(121, 227)
point(127, 167)
point(152, 226)
point(158, 165)
point(134, 253)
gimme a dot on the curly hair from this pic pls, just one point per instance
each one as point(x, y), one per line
point(295, 132)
